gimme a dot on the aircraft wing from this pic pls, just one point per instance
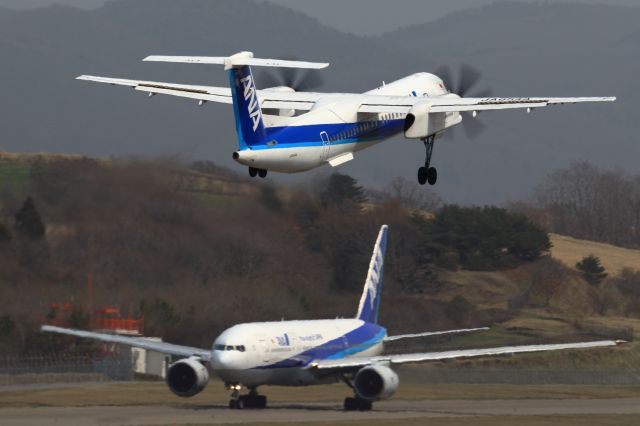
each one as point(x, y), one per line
point(402, 104)
point(359, 362)
point(136, 342)
point(268, 98)
point(432, 333)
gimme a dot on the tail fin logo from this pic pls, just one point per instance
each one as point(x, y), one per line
point(372, 283)
point(252, 100)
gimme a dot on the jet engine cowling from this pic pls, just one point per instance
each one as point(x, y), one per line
point(376, 382)
point(187, 377)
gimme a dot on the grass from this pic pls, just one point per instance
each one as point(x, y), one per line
point(571, 250)
point(14, 176)
point(145, 393)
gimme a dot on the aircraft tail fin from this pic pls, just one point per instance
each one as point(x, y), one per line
point(370, 300)
point(246, 106)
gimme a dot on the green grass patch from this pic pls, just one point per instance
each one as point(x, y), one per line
point(14, 176)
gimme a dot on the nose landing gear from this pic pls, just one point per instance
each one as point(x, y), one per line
point(251, 400)
point(428, 173)
point(253, 172)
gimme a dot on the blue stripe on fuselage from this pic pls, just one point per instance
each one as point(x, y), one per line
point(355, 341)
point(309, 135)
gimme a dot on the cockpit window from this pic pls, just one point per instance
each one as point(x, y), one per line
point(240, 348)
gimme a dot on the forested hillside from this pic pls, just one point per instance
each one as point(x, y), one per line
point(196, 248)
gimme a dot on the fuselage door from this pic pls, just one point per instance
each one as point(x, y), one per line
point(326, 145)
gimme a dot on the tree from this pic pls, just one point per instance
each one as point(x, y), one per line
point(341, 189)
point(28, 222)
point(4, 233)
point(591, 269)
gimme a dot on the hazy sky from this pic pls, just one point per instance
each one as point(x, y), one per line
point(361, 17)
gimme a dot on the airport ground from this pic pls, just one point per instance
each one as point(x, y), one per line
point(146, 403)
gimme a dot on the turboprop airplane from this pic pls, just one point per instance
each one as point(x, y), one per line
point(284, 130)
point(301, 353)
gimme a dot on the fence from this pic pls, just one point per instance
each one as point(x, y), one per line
point(622, 377)
point(91, 368)
point(65, 369)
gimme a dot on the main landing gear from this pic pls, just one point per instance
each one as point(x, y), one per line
point(357, 404)
point(251, 400)
point(428, 173)
point(259, 172)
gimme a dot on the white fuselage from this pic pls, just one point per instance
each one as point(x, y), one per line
point(279, 353)
point(333, 128)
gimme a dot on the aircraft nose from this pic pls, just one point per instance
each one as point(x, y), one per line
point(222, 360)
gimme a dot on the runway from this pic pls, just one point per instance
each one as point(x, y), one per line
point(280, 412)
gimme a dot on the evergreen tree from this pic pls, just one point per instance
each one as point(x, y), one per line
point(340, 189)
point(591, 269)
point(28, 222)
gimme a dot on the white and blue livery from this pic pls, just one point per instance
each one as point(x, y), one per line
point(282, 130)
point(302, 353)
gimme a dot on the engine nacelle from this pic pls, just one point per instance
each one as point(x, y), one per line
point(187, 377)
point(417, 123)
point(376, 382)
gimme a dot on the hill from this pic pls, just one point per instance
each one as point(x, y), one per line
point(177, 242)
point(50, 111)
point(571, 250)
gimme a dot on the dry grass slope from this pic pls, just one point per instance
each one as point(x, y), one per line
point(570, 250)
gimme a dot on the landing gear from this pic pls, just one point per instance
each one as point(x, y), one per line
point(357, 404)
point(251, 400)
point(253, 172)
point(428, 173)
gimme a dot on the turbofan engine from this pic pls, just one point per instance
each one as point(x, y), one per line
point(376, 382)
point(187, 377)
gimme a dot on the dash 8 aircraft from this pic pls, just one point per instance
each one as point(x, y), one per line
point(301, 353)
point(284, 130)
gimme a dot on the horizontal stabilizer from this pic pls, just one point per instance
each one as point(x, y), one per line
point(239, 59)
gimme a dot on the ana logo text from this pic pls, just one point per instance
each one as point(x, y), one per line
point(250, 95)
point(283, 340)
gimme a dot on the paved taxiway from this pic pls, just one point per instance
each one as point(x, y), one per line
point(283, 412)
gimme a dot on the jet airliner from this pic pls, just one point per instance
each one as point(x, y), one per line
point(302, 353)
point(284, 130)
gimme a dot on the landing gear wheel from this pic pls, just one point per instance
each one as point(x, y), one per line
point(432, 175)
point(350, 404)
point(253, 171)
point(233, 403)
point(240, 403)
point(262, 173)
point(422, 175)
point(364, 405)
point(357, 404)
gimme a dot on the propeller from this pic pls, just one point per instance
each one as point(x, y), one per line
point(300, 80)
point(468, 78)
